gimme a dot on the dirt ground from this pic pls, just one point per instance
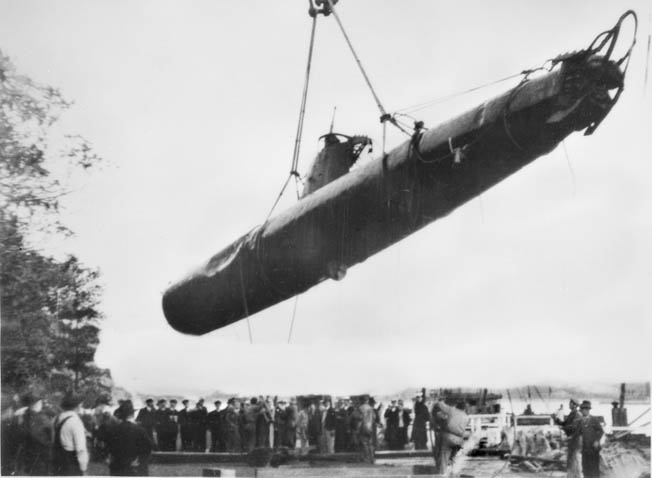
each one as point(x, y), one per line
point(471, 467)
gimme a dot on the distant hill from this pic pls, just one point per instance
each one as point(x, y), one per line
point(639, 391)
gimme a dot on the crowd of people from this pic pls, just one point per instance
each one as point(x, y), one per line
point(240, 425)
point(39, 439)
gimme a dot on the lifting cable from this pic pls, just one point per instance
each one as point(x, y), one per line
point(647, 55)
point(302, 113)
point(442, 99)
point(313, 12)
point(384, 115)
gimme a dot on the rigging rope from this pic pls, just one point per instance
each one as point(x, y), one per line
point(294, 314)
point(304, 97)
point(302, 114)
point(570, 167)
point(426, 104)
point(647, 55)
point(244, 302)
point(357, 59)
point(384, 115)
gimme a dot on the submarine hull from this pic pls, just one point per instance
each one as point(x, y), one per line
point(381, 202)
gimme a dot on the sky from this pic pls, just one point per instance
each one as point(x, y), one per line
point(193, 106)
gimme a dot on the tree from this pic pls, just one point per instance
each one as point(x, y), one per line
point(50, 321)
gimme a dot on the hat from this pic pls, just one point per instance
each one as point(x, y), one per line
point(585, 404)
point(70, 401)
point(125, 410)
point(173, 400)
point(572, 400)
point(184, 401)
point(29, 399)
point(149, 400)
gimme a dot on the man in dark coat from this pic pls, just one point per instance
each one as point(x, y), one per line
point(129, 445)
point(36, 427)
point(341, 427)
point(161, 425)
point(330, 426)
point(185, 427)
point(355, 424)
point(216, 428)
point(147, 418)
point(590, 430)
point(249, 420)
point(279, 424)
point(232, 426)
point(173, 415)
point(570, 426)
point(291, 416)
point(391, 426)
point(314, 425)
point(263, 421)
point(199, 417)
point(421, 417)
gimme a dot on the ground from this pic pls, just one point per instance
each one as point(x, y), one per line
point(472, 467)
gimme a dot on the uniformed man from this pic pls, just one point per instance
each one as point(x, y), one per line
point(185, 427)
point(174, 423)
point(291, 416)
point(590, 431)
point(160, 424)
point(216, 428)
point(421, 417)
point(391, 425)
point(147, 418)
point(199, 417)
point(128, 445)
point(279, 424)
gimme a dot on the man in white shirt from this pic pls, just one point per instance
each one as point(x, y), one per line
point(450, 425)
point(70, 456)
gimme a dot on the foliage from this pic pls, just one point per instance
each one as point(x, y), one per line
point(50, 320)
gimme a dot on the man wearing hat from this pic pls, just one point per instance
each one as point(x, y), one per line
point(128, 445)
point(590, 430)
point(69, 453)
point(216, 428)
point(184, 426)
point(421, 417)
point(36, 429)
point(570, 426)
point(174, 420)
point(147, 418)
point(391, 425)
